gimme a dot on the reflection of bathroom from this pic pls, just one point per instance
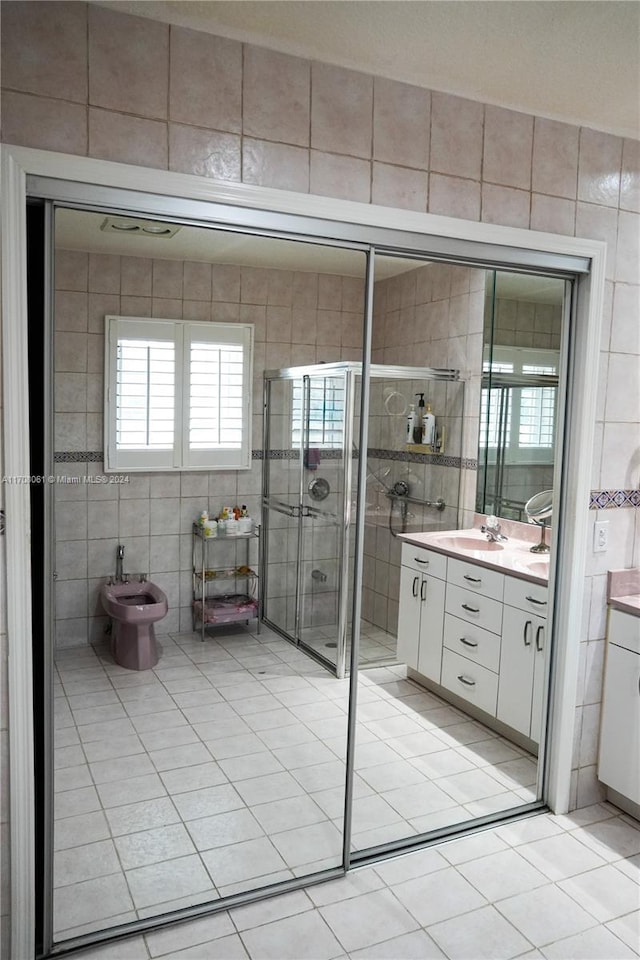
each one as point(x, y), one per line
point(243, 713)
point(425, 316)
point(523, 321)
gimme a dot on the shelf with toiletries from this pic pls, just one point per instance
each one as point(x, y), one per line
point(423, 433)
point(212, 604)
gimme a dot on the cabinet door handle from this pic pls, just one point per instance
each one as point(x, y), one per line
point(525, 634)
point(539, 631)
point(423, 591)
point(472, 579)
point(418, 560)
point(468, 643)
point(538, 603)
point(465, 680)
point(414, 589)
point(465, 606)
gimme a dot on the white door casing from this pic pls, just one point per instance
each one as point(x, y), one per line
point(165, 191)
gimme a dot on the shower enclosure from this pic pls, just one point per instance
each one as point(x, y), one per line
point(311, 430)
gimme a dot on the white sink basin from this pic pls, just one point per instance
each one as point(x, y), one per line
point(451, 542)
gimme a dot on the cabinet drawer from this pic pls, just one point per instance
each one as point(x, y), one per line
point(489, 583)
point(624, 630)
point(426, 561)
point(474, 608)
point(526, 596)
point(472, 642)
point(469, 680)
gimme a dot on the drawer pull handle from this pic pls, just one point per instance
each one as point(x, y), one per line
point(468, 643)
point(525, 634)
point(538, 641)
point(538, 603)
point(414, 589)
point(418, 560)
point(423, 591)
point(472, 579)
point(465, 606)
point(465, 680)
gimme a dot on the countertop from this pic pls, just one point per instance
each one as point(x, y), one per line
point(623, 590)
point(512, 557)
point(630, 604)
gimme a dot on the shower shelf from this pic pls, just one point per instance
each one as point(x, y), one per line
point(210, 609)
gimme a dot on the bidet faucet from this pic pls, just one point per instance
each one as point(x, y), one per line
point(119, 563)
point(492, 530)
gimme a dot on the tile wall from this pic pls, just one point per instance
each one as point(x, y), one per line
point(431, 316)
point(152, 513)
point(100, 83)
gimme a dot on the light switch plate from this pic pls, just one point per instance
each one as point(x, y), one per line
point(600, 536)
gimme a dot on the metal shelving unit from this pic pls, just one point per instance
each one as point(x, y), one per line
point(211, 609)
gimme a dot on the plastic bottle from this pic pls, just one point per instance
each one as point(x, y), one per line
point(417, 427)
point(411, 422)
point(429, 427)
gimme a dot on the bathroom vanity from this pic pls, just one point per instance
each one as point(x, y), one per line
point(473, 626)
point(619, 753)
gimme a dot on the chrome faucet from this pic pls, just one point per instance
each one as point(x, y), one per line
point(492, 530)
point(119, 564)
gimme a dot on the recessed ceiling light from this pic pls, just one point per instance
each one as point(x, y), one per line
point(150, 228)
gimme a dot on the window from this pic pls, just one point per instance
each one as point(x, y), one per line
point(326, 412)
point(518, 406)
point(177, 395)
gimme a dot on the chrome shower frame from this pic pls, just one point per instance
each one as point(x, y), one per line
point(349, 370)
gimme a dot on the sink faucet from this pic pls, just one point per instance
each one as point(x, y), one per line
point(492, 530)
point(119, 563)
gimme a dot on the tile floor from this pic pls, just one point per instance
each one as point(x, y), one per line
point(377, 646)
point(555, 887)
point(223, 768)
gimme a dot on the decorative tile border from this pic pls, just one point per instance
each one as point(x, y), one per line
point(435, 459)
point(608, 499)
point(78, 456)
point(598, 499)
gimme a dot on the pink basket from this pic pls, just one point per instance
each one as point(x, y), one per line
point(227, 609)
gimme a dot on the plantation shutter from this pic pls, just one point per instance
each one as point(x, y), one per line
point(217, 397)
point(177, 395)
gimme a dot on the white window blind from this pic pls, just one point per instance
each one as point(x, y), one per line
point(216, 395)
point(145, 391)
point(177, 395)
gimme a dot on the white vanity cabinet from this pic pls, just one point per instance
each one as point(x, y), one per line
point(522, 666)
point(473, 621)
point(619, 756)
point(421, 610)
point(477, 633)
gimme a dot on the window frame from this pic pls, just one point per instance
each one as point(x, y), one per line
point(182, 333)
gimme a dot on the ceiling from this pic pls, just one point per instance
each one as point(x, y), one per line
point(83, 230)
point(571, 60)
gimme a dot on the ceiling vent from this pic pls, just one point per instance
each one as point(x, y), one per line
point(142, 228)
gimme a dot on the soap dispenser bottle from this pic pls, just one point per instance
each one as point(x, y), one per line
point(429, 427)
point(411, 422)
point(417, 428)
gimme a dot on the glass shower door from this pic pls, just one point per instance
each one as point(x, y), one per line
point(307, 429)
point(325, 412)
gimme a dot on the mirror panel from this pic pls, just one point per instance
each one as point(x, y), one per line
point(518, 399)
point(221, 768)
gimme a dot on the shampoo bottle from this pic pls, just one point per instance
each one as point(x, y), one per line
point(429, 427)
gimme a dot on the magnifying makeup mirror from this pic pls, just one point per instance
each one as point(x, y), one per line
point(538, 509)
